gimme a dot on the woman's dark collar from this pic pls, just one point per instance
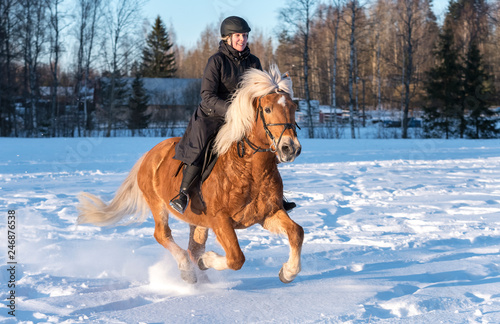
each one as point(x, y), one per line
point(232, 53)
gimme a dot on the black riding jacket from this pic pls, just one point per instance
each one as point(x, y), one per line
point(220, 79)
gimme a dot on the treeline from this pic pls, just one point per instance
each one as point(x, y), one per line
point(361, 56)
point(388, 56)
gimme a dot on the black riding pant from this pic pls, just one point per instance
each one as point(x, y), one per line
point(194, 141)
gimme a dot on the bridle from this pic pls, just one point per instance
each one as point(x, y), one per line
point(255, 148)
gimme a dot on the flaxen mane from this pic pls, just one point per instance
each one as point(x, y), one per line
point(240, 115)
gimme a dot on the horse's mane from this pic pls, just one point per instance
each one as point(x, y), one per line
point(240, 114)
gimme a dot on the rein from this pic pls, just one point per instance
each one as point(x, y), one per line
point(255, 148)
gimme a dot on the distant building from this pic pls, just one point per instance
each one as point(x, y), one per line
point(171, 100)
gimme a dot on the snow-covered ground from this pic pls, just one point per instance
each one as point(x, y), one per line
point(396, 231)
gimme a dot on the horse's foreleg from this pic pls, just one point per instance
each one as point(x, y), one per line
point(234, 258)
point(281, 223)
point(163, 235)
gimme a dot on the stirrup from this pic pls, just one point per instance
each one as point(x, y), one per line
point(179, 202)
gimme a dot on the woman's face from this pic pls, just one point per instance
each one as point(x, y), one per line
point(238, 41)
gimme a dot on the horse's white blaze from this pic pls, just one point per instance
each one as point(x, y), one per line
point(282, 101)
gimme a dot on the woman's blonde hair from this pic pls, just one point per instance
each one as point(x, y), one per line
point(226, 39)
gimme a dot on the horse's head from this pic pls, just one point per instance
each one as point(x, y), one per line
point(276, 125)
point(262, 116)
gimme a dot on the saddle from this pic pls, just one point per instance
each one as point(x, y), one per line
point(209, 159)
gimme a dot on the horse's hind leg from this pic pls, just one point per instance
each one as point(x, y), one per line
point(197, 238)
point(163, 235)
point(281, 223)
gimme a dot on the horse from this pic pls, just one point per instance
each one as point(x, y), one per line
point(244, 187)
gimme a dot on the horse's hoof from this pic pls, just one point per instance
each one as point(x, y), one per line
point(282, 277)
point(189, 276)
point(203, 278)
point(201, 264)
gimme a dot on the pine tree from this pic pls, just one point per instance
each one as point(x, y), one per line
point(114, 95)
point(477, 94)
point(158, 57)
point(138, 104)
point(444, 89)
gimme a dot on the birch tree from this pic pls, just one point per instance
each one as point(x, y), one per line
point(414, 28)
point(333, 24)
point(379, 21)
point(353, 10)
point(298, 16)
point(55, 27)
point(88, 16)
point(33, 27)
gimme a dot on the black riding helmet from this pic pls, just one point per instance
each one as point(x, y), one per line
point(232, 25)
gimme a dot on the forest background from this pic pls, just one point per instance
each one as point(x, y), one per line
point(365, 58)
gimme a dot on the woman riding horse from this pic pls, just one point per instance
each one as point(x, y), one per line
point(245, 187)
point(220, 79)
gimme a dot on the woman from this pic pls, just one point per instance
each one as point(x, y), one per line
point(220, 79)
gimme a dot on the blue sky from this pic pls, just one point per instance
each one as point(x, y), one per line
point(190, 18)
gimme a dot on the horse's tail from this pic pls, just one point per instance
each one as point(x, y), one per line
point(128, 201)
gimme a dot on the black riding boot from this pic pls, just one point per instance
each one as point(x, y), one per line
point(288, 205)
point(190, 174)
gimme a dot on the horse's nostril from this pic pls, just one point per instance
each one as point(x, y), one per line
point(285, 149)
point(299, 150)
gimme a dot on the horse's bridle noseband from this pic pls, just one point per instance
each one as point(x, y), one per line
point(241, 144)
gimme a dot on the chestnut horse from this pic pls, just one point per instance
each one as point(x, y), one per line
point(243, 189)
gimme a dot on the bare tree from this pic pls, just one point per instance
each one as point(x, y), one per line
point(7, 54)
point(33, 22)
point(88, 17)
point(407, 14)
point(122, 19)
point(414, 26)
point(353, 9)
point(491, 52)
point(379, 18)
point(55, 27)
point(262, 47)
point(469, 20)
point(334, 24)
point(299, 16)
point(192, 64)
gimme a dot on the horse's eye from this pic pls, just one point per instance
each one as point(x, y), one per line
point(267, 110)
